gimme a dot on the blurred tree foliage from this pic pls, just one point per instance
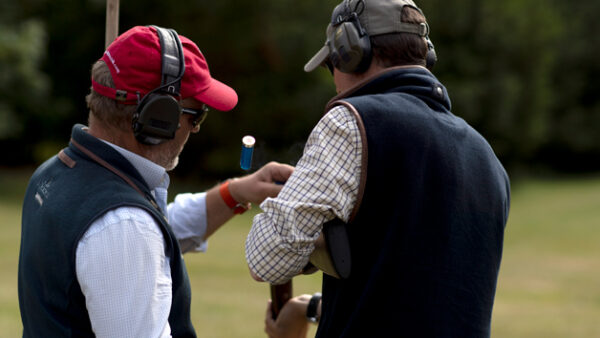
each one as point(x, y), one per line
point(520, 71)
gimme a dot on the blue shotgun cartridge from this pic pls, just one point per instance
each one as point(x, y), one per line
point(247, 150)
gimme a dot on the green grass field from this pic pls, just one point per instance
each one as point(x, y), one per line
point(549, 282)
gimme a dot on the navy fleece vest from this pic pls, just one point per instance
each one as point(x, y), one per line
point(60, 204)
point(427, 239)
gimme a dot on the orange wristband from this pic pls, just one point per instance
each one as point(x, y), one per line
point(238, 208)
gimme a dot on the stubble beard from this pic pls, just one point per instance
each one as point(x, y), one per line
point(166, 155)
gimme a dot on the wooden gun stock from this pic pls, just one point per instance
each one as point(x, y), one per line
point(280, 294)
point(332, 251)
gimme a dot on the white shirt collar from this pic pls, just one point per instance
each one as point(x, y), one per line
point(154, 175)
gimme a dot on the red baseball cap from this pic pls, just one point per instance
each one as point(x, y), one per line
point(134, 60)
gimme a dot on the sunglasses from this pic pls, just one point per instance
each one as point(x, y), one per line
point(199, 115)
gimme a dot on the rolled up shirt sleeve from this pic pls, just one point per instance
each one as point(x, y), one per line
point(324, 186)
point(187, 217)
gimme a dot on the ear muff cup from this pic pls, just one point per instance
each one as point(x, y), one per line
point(350, 47)
point(431, 57)
point(157, 119)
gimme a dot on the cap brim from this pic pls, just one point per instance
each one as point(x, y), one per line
point(218, 96)
point(317, 60)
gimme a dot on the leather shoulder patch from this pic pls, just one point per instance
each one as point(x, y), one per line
point(64, 158)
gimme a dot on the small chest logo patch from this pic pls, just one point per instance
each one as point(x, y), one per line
point(43, 192)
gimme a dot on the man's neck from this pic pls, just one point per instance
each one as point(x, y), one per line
point(122, 139)
point(372, 73)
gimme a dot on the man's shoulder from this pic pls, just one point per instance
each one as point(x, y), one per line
point(124, 219)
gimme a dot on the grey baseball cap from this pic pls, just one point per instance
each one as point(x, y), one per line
point(376, 17)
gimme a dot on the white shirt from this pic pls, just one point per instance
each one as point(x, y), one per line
point(324, 186)
point(121, 263)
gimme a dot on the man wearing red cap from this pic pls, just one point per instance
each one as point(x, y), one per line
point(101, 250)
point(420, 194)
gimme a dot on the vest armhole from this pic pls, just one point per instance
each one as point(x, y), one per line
point(365, 154)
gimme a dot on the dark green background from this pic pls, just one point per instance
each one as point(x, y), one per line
point(522, 72)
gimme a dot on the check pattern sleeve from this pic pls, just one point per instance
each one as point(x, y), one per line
point(324, 186)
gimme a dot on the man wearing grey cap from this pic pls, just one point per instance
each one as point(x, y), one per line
point(422, 196)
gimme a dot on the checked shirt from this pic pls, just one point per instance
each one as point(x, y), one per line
point(324, 185)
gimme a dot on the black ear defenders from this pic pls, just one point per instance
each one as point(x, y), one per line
point(157, 116)
point(350, 44)
point(431, 57)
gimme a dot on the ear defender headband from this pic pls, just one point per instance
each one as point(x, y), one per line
point(157, 117)
point(350, 44)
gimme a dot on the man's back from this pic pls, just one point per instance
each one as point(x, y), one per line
point(427, 240)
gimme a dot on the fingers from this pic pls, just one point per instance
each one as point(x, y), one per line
point(268, 181)
point(269, 314)
point(270, 190)
point(256, 187)
point(282, 172)
point(276, 172)
point(269, 322)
